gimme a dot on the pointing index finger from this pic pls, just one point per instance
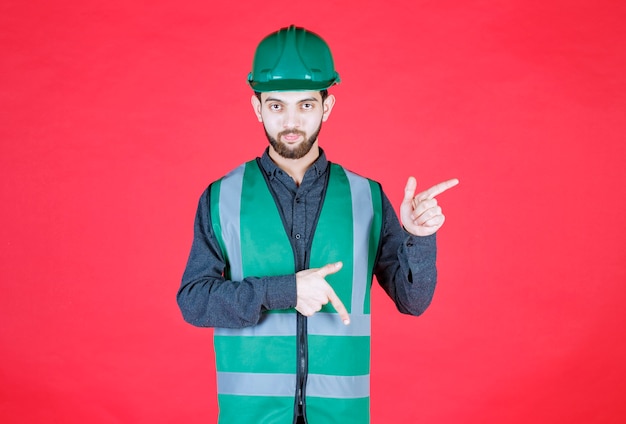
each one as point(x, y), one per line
point(338, 305)
point(437, 189)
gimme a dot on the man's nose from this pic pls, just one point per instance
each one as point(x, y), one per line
point(292, 119)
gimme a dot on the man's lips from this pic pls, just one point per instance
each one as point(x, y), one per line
point(291, 136)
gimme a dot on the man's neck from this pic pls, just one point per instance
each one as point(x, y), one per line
point(296, 168)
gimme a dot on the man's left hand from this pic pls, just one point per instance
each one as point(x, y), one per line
point(420, 213)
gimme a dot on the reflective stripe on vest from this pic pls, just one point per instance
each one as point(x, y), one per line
point(256, 366)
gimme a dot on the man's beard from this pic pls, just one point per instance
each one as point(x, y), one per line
point(299, 151)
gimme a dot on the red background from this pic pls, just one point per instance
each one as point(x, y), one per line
point(116, 115)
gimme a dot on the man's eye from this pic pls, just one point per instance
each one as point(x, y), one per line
point(275, 106)
point(307, 106)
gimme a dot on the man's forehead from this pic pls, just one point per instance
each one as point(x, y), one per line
point(291, 96)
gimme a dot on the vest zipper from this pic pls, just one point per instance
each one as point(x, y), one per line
point(302, 354)
point(303, 365)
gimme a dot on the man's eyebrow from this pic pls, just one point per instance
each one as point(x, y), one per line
point(274, 99)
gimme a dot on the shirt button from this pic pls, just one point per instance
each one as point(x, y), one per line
point(297, 236)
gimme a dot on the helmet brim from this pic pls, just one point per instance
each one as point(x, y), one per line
point(291, 85)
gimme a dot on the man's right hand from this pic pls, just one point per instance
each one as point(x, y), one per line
point(314, 291)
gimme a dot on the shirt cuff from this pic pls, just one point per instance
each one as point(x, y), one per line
point(281, 292)
point(415, 245)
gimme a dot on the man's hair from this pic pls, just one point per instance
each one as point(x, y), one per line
point(323, 93)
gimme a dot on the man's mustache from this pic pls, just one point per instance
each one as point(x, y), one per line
point(293, 131)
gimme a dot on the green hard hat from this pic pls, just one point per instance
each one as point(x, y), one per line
point(292, 59)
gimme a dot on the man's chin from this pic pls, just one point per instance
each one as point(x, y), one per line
point(297, 151)
point(292, 154)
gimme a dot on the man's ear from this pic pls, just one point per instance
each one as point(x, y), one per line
point(329, 102)
point(256, 105)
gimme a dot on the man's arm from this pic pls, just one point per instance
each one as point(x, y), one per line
point(207, 299)
point(406, 266)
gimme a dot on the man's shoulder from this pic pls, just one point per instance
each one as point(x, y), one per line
point(354, 174)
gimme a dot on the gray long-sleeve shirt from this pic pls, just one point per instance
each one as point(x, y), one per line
point(405, 266)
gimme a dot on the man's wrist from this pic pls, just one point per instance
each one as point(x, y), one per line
point(281, 292)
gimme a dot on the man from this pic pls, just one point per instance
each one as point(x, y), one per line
point(284, 252)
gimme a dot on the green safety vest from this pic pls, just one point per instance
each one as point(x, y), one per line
point(256, 366)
